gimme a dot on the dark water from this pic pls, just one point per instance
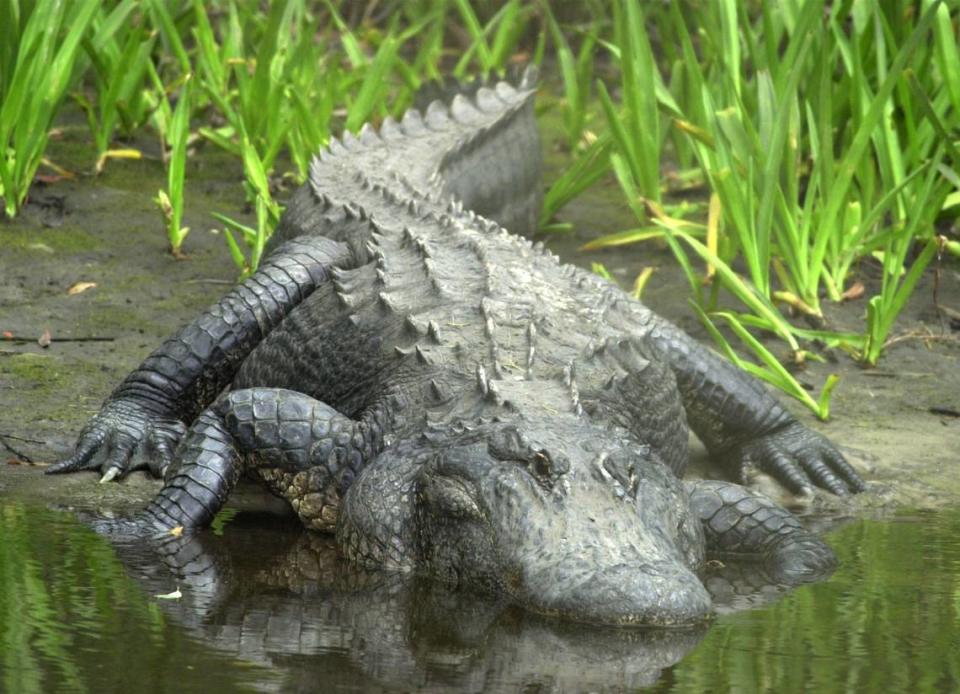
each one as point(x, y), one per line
point(265, 606)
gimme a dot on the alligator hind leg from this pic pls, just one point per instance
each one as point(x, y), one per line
point(744, 524)
point(282, 434)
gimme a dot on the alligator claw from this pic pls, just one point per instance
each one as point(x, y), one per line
point(110, 475)
point(800, 459)
point(122, 427)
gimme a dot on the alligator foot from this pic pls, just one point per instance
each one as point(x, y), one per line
point(744, 524)
point(277, 433)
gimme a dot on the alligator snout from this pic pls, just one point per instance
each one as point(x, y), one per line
point(650, 595)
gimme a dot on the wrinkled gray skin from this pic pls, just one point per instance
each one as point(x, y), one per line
point(449, 399)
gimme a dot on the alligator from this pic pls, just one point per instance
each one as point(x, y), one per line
point(448, 398)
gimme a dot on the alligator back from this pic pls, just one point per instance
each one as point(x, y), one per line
point(445, 305)
point(480, 146)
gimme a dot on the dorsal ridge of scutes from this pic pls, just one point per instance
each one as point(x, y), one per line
point(436, 116)
point(482, 382)
point(500, 97)
point(531, 349)
point(463, 111)
point(570, 381)
point(390, 130)
point(369, 136)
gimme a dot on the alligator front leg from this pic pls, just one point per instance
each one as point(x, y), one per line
point(737, 419)
point(266, 429)
point(746, 525)
point(152, 405)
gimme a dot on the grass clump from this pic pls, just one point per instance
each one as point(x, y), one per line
point(39, 44)
point(821, 132)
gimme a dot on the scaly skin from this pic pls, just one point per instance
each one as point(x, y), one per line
point(451, 400)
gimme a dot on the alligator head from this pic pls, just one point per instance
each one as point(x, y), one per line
point(558, 515)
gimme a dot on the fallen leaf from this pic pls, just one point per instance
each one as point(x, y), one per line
point(117, 154)
point(45, 339)
point(7, 335)
point(14, 461)
point(49, 178)
point(78, 287)
point(62, 172)
point(177, 532)
point(855, 291)
point(175, 595)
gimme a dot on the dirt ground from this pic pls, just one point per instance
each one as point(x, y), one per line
point(898, 423)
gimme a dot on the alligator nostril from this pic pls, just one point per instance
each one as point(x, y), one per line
point(541, 463)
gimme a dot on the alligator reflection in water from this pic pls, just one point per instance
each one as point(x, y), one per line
point(270, 595)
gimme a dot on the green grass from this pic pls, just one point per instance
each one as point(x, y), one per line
point(826, 136)
point(119, 48)
point(174, 126)
point(39, 43)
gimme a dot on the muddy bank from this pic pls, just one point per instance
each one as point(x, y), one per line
point(897, 423)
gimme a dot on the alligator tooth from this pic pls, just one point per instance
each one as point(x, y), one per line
point(402, 352)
